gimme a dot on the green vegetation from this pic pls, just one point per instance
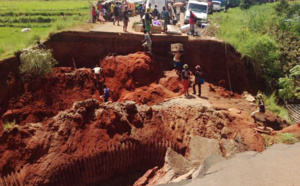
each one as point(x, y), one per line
point(272, 105)
point(42, 17)
point(8, 125)
point(287, 138)
point(36, 63)
point(290, 85)
point(267, 36)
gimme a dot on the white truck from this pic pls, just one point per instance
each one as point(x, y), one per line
point(200, 9)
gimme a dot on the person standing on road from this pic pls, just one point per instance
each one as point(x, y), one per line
point(94, 13)
point(147, 43)
point(198, 80)
point(155, 13)
point(150, 8)
point(116, 14)
point(148, 19)
point(97, 70)
point(185, 74)
point(166, 19)
point(192, 22)
point(125, 20)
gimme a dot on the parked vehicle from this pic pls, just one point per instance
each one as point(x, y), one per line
point(217, 6)
point(200, 9)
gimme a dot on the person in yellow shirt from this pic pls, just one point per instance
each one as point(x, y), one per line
point(150, 8)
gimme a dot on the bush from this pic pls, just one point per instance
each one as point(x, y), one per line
point(282, 6)
point(290, 85)
point(263, 52)
point(36, 63)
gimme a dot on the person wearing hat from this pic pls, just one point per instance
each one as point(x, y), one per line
point(198, 80)
point(261, 106)
point(185, 74)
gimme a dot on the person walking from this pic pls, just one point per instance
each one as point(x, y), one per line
point(97, 70)
point(166, 19)
point(147, 42)
point(148, 19)
point(261, 107)
point(116, 14)
point(185, 74)
point(125, 19)
point(192, 22)
point(198, 80)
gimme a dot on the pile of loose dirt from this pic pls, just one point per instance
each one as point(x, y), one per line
point(139, 78)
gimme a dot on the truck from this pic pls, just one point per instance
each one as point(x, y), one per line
point(200, 9)
point(219, 5)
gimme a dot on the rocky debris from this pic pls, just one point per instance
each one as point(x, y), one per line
point(234, 111)
point(247, 96)
point(270, 120)
point(90, 127)
point(201, 148)
point(223, 92)
point(85, 103)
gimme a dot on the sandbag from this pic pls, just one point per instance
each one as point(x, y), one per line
point(185, 28)
point(175, 47)
point(173, 30)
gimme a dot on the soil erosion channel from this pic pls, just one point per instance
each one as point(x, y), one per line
point(66, 135)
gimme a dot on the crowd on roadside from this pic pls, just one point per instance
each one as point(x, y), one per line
point(150, 16)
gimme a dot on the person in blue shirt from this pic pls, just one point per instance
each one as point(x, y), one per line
point(106, 92)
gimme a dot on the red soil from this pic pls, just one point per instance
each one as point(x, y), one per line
point(88, 128)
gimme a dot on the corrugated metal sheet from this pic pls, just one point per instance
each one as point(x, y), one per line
point(294, 110)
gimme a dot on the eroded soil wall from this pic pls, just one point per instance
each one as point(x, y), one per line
point(215, 57)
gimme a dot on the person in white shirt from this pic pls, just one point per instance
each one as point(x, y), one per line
point(147, 42)
point(97, 70)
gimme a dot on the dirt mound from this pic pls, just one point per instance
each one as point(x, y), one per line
point(139, 78)
point(45, 97)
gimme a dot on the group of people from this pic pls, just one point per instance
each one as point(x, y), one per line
point(115, 12)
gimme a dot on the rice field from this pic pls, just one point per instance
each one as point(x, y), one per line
point(41, 16)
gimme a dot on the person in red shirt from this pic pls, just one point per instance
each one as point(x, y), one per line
point(94, 13)
point(193, 19)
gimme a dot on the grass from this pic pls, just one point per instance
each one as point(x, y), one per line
point(242, 28)
point(8, 125)
point(271, 104)
point(43, 17)
point(287, 138)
